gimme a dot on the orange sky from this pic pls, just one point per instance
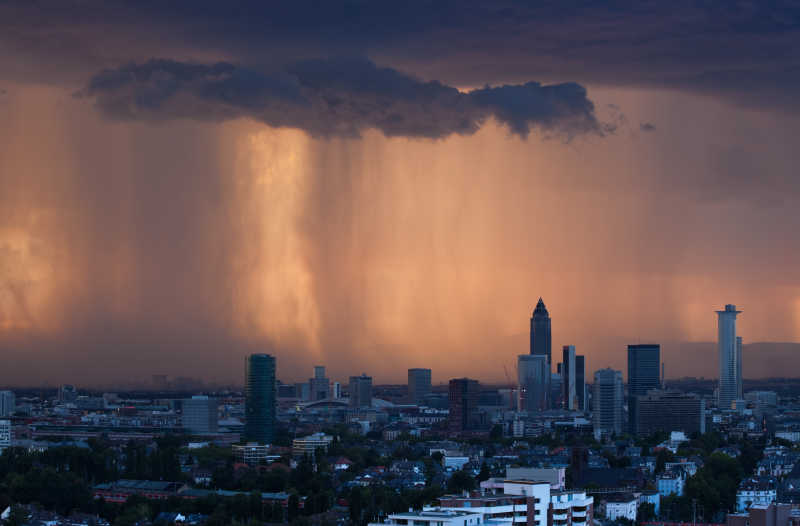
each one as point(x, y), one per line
point(177, 248)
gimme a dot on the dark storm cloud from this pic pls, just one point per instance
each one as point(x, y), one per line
point(647, 126)
point(747, 52)
point(336, 97)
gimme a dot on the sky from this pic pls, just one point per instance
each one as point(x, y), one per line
point(378, 186)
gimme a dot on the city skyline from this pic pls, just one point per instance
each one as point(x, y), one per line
point(176, 227)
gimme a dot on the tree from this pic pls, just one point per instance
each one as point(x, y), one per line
point(460, 481)
point(646, 512)
point(484, 474)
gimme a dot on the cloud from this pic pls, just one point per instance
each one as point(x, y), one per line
point(336, 97)
point(647, 127)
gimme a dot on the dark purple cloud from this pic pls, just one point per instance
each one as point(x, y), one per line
point(337, 97)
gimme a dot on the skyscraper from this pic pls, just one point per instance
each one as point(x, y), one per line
point(730, 369)
point(644, 366)
point(580, 381)
point(740, 382)
point(668, 411)
point(463, 396)
point(360, 391)
point(259, 398)
point(419, 385)
point(568, 374)
point(534, 382)
point(541, 343)
point(607, 403)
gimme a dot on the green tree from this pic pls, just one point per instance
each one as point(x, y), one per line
point(460, 481)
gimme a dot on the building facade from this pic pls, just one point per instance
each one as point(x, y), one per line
point(463, 394)
point(5, 435)
point(607, 403)
point(200, 415)
point(729, 349)
point(540, 338)
point(419, 385)
point(8, 403)
point(534, 385)
point(568, 375)
point(644, 374)
point(259, 394)
point(580, 382)
point(360, 391)
point(667, 411)
point(319, 387)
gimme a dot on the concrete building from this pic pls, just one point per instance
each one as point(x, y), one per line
point(200, 415)
point(319, 386)
point(580, 382)
point(760, 491)
point(556, 477)
point(431, 517)
point(463, 396)
point(620, 506)
point(260, 397)
point(667, 411)
point(607, 403)
point(5, 435)
point(360, 391)
point(337, 390)
point(252, 453)
point(533, 375)
point(419, 385)
point(568, 376)
point(729, 349)
point(670, 483)
point(308, 445)
point(8, 403)
point(525, 502)
point(778, 514)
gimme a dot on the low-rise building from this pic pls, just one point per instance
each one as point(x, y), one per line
point(620, 506)
point(756, 491)
point(670, 483)
point(432, 517)
point(252, 453)
point(308, 445)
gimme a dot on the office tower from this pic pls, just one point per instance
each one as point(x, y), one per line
point(556, 390)
point(67, 393)
point(361, 391)
point(568, 375)
point(730, 379)
point(419, 385)
point(607, 403)
point(534, 382)
point(319, 386)
point(541, 343)
point(200, 415)
point(5, 435)
point(739, 380)
point(668, 411)
point(644, 374)
point(8, 403)
point(337, 390)
point(644, 368)
point(463, 396)
point(259, 398)
point(287, 391)
point(303, 391)
point(580, 381)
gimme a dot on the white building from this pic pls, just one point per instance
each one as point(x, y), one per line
point(454, 462)
point(432, 517)
point(670, 483)
point(621, 507)
point(309, 445)
point(7, 403)
point(730, 350)
point(607, 400)
point(756, 491)
point(5, 434)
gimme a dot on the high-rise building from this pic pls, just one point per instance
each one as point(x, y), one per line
point(67, 393)
point(668, 411)
point(607, 402)
point(319, 386)
point(360, 391)
point(337, 390)
point(580, 381)
point(730, 370)
point(200, 415)
point(644, 368)
point(534, 382)
point(568, 374)
point(419, 385)
point(644, 374)
point(8, 403)
point(259, 395)
point(541, 342)
point(740, 381)
point(463, 394)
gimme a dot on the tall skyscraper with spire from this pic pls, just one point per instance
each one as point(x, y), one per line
point(541, 344)
point(730, 356)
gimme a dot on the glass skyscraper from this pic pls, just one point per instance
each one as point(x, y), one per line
point(730, 357)
point(541, 343)
point(259, 398)
point(644, 366)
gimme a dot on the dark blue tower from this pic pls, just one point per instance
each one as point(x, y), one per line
point(540, 331)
